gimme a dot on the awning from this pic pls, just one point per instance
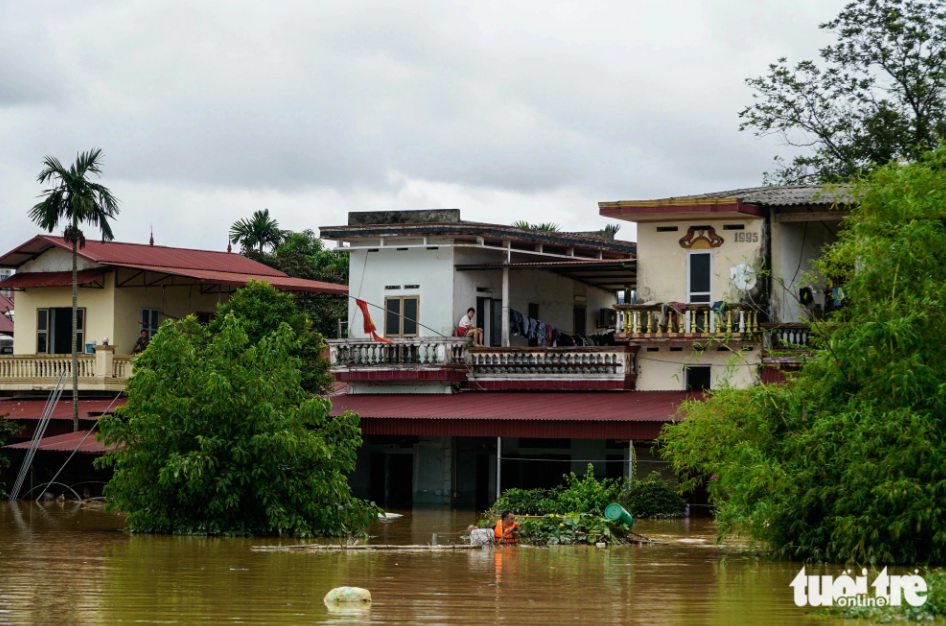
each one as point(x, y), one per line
point(23, 280)
point(217, 277)
point(66, 443)
point(581, 415)
point(609, 274)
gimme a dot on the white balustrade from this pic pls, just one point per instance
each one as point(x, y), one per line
point(588, 361)
point(419, 352)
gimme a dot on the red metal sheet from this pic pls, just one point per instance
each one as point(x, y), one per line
point(630, 406)
point(23, 280)
point(215, 277)
point(77, 441)
point(17, 409)
point(561, 429)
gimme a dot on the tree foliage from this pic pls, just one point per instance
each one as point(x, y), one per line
point(262, 309)
point(219, 437)
point(655, 498)
point(303, 255)
point(878, 94)
point(257, 232)
point(75, 200)
point(8, 428)
point(848, 462)
point(551, 227)
point(574, 495)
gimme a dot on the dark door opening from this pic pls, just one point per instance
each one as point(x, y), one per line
point(61, 326)
point(392, 480)
point(481, 498)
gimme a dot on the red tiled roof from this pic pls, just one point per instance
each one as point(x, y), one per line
point(18, 409)
point(606, 406)
point(6, 324)
point(22, 280)
point(67, 443)
point(219, 268)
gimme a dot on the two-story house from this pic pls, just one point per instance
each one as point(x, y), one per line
point(725, 282)
point(124, 288)
point(449, 423)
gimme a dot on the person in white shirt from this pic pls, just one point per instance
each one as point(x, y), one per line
point(465, 328)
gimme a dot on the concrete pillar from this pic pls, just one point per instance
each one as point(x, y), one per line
point(505, 320)
point(104, 358)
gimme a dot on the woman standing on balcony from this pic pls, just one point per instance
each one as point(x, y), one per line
point(465, 328)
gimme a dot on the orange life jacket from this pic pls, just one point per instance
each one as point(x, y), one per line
point(505, 535)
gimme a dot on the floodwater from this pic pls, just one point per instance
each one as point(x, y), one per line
point(71, 563)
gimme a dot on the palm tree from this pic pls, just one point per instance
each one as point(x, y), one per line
point(258, 231)
point(75, 200)
point(551, 227)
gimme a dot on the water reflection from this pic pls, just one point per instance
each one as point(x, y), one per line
point(65, 562)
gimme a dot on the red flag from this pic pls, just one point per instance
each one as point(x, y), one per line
point(369, 325)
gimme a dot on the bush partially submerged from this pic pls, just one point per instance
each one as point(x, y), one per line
point(655, 498)
point(574, 495)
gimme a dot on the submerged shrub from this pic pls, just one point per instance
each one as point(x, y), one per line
point(654, 497)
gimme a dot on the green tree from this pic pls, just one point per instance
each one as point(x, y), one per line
point(218, 437)
point(8, 428)
point(546, 226)
point(848, 461)
point(878, 94)
point(75, 200)
point(303, 255)
point(262, 309)
point(257, 232)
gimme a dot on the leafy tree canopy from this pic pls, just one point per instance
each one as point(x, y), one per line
point(219, 437)
point(8, 428)
point(878, 94)
point(303, 255)
point(262, 309)
point(848, 461)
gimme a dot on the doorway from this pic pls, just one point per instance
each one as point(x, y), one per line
point(392, 480)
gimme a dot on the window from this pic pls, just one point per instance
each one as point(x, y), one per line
point(54, 330)
point(400, 316)
point(698, 377)
point(150, 321)
point(699, 277)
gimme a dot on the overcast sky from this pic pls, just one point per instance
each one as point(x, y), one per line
point(535, 110)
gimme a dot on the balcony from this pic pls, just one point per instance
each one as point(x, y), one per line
point(642, 322)
point(448, 361)
point(589, 367)
point(786, 337)
point(102, 371)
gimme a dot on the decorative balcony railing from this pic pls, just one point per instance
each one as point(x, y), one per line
point(794, 336)
point(691, 320)
point(102, 371)
point(588, 368)
point(421, 352)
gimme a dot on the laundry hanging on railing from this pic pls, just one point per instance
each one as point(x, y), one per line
point(370, 328)
point(545, 334)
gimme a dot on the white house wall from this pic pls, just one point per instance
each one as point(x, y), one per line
point(794, 246)
point(55, 260)
point(98, 304)
point(431, 269)
point(662, 263)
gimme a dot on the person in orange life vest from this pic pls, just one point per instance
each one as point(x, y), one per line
point(465, 328)
point(507, 530)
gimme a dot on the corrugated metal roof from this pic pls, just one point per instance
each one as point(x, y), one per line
point(116, 253)
point(6, 324)
point(633, 406)
point(32, 409)
point(282, 281)
point(22, 280)
point(789, 195)
point(66, 443)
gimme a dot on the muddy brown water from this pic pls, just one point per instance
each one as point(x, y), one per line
point(71, 563)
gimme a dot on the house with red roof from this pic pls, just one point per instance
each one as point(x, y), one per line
point(124, 288)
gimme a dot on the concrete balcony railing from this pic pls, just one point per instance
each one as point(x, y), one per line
point(424, 352)
point(693, 321)
point(102, 371)
point(793, 336)
point(590, 367)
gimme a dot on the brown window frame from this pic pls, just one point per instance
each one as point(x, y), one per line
point(80, 329)
point(399, 331)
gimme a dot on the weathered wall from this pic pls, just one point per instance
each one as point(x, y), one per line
point(662, 263)
point(663, 370)
point(794, 246)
